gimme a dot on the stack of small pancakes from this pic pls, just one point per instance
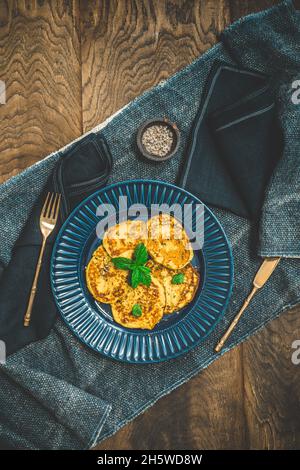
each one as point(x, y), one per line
point(170, 254)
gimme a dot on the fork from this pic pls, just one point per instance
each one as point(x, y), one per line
point(48, 220)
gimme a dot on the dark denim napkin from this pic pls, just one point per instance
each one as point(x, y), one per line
point(83, 168)
point(235, 141)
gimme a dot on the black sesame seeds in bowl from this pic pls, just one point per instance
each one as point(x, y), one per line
point(158, 139)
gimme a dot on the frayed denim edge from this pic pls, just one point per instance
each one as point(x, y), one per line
point(144, 407)
point(276, 253)
point(97, 432)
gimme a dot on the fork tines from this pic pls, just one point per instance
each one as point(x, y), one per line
point(51, 206)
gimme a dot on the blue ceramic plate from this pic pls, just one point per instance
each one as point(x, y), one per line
point(92, 322)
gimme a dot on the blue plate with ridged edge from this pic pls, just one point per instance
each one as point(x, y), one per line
point(92, 321)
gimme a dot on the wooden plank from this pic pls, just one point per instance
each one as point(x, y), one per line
point(129, 46)
point(40, 65)
point(205, 413)
point(239, 8)
point(126, 48)
point(272, 385)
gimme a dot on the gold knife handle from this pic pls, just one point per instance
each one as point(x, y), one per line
point(27, 315)
point(235, 321)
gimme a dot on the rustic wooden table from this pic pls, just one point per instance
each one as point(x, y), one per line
point(68, 65)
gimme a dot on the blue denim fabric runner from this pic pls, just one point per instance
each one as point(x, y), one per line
point(56, 393)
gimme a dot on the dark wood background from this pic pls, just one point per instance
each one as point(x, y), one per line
point(67, 66)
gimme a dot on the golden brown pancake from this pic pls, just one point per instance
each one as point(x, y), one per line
point(168, 243)
point(151, 300)
point(171, 252)
point(121, 239)
point(177, 295)
point(104, 281)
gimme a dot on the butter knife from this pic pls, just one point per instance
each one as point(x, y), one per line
point(266, 269)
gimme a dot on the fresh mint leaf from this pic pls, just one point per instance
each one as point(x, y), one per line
point(178, 278)
point(137, 311)
point(140, 254)
point(140, 274)
point(123, 263)
point(135, 278)
point(145, 278)
point(145, 269)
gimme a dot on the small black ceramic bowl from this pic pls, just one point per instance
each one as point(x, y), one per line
point(158, 122)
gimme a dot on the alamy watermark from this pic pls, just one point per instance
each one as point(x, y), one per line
point(296, 353)
point(189, 216)
point(2, 92)
point(296, 94)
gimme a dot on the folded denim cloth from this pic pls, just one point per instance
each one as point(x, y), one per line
point(81, 169)
point(235, 142)
point(275, 49)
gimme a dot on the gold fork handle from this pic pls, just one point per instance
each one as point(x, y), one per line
point(27, 316)
point(235, 321)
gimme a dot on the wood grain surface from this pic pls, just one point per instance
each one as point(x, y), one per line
point(67, 66)
point(41, 67)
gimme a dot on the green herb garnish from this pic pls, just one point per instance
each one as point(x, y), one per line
point(140, 256)
point(136, 311)
point(140, 274)
point(178, 278)
point(145, 278)
point(135, 278)
point(123, 263)
point(145, 269)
